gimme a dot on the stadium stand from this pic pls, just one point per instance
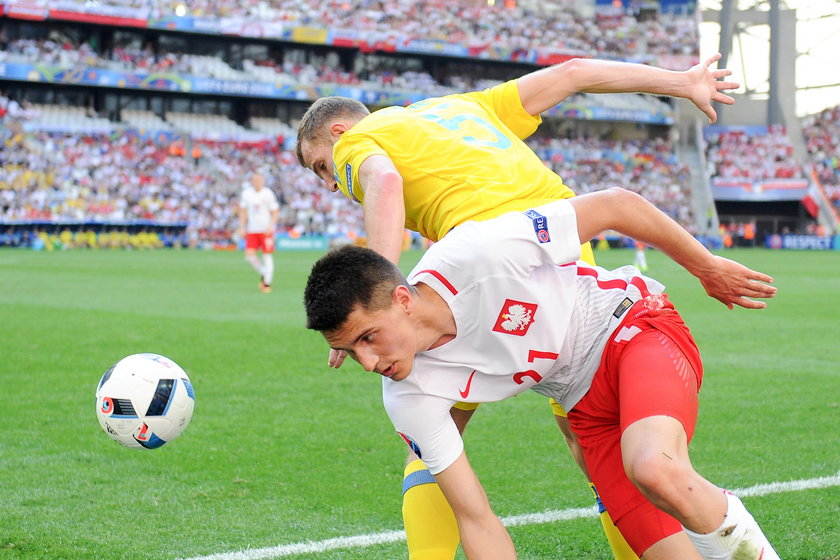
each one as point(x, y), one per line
point(119, 177)
point(477, 25)
point(742, 154)
point(192, 151)
point(144, 120)
point(648, 167)
point(66, 119)
point(822, 139)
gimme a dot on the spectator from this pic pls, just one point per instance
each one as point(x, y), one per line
point(822, 139)
point(736, 155)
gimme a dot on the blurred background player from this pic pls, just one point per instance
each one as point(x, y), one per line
point(640, 260)
point(390, 162)
point(259, 211)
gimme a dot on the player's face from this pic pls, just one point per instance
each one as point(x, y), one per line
point(317, 155)
point(381, 341)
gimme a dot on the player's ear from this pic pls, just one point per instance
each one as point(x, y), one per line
point(402, 297)
point(338, 128)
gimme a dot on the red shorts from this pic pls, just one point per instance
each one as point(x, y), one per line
point(650, 367)
point(261, 241)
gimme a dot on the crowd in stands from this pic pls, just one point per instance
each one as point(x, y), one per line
point(477, 23)
point(745, 156)
point(822, 139)
point(66, 53)
point(116, 176)
point(120, 177)
point(297, 68)
point(648, 167)
point(514, 25)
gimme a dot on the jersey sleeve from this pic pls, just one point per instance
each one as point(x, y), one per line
point(504, 101)
point(351, 150)
point(424, 423)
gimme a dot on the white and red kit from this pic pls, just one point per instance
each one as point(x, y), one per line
point(258, 205)
point(528, 314)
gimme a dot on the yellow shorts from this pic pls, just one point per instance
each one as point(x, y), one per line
point(587, 255)
point(556, 407)
point(466, 405)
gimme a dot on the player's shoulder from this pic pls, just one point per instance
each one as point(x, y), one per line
point(454, 258)
point(365, 135)
point(489, 96)
point(475, 248)
point(377, 119)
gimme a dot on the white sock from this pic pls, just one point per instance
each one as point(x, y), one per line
point(268, 268)
point(738, 538)
point(255, 262)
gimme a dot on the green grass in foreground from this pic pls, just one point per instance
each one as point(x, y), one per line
point(283, 450)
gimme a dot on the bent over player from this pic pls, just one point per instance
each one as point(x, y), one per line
point(440, 162)
point(502, 306)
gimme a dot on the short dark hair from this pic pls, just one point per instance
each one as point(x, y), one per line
point(346, 278)
point(321, 112)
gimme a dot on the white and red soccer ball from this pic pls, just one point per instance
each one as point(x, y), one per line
point(144, 401)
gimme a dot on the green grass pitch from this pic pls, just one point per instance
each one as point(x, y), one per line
point(283, 450)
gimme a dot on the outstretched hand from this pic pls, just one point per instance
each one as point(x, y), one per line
point(732, 283)
point(707, 86)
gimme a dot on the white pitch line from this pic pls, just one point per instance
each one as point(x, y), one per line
point(363, 541)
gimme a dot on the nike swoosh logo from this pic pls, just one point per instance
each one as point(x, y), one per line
point(466, 391)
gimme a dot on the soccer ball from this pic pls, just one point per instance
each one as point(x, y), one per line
point(144, 401)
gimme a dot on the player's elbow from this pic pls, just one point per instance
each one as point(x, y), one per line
point(570, 68)
point(378, 175)
point(575, 74)
point(386, 186)
point(621, 199)
point(391, 180)
point(604, 210)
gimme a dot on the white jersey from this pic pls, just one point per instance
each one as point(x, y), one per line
point(258, 204)
point(528, 315)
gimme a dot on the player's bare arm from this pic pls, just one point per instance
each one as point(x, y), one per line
point(727, 281)
point(482, 533)
point(243, 219)
point(384, 206)
point(384, 216)
point(545, 88)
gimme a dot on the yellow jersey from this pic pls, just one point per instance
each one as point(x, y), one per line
point(461, 157)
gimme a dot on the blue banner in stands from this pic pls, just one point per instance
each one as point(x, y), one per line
point(803, 242)
point(771, 189)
